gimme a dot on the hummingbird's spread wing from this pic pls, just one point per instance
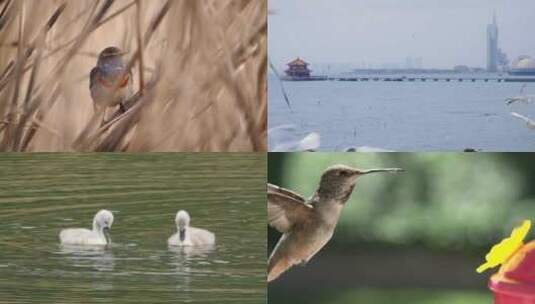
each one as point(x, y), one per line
point(276, 189)
point(285, 208)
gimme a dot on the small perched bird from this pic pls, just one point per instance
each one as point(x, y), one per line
point(189, 236)
point(109, 81)
point(100, 235)
point(307, 225)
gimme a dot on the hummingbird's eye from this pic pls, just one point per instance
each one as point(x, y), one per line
point(343, 173)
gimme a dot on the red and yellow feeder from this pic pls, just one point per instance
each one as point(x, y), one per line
point(515, 281)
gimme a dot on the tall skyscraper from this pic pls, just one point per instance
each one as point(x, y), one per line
point(492, 46)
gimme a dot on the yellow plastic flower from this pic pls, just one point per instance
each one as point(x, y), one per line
point(506, 248)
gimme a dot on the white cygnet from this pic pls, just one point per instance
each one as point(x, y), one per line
point(100, 235)
point(189, 236)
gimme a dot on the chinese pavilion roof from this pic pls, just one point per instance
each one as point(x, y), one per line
point(298, 61)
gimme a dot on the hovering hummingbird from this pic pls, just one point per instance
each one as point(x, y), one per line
point(307, 225)
point(109, 81)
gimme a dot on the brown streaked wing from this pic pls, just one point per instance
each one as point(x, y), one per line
point(284, 211)
point(276, 189)
point(92, 77)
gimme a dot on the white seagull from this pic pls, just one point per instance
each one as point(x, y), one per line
point(100, 235)
point(524, 99)
point(189, 236)
point(284, 138)
point(530, 123)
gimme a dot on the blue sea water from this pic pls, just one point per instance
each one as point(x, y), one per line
point(405, 116)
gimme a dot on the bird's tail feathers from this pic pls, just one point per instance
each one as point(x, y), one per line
point(276, 267)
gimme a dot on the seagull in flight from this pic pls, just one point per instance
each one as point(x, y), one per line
point(524, 99)
point(530, 123)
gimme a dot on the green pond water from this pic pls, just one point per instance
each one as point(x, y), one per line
point(40, 194)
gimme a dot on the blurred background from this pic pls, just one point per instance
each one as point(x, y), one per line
point(416, 237)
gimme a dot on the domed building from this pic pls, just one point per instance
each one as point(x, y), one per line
point(523, 66)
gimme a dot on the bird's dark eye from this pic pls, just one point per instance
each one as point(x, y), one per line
point(343, 173)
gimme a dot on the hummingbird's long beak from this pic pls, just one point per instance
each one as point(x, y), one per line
point(388, 170)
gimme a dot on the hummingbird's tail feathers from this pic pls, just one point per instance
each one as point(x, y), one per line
point(276, 267)
point(285, 211)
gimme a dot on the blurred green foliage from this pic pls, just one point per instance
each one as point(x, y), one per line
point(386, 296)
point(445, 201)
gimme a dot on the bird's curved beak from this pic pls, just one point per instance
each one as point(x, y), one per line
point(384, 170)
point(106, 232)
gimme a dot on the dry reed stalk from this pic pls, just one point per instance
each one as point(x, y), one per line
point(200, 75)
point(140, 46)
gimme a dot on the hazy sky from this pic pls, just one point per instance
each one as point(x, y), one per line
point(443, 32)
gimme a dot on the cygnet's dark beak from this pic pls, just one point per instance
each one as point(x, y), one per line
point(106, 231)
point(182, 234)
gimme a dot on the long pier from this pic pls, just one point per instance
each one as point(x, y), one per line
point(432, 78)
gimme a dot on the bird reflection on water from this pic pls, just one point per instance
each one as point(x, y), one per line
point(94, 257)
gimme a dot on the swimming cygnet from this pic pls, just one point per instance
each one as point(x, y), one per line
point(100, 235)
point(189, 236)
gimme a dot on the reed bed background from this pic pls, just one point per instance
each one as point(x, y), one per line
point(199, 70)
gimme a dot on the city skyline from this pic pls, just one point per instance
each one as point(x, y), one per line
point(375, 33)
